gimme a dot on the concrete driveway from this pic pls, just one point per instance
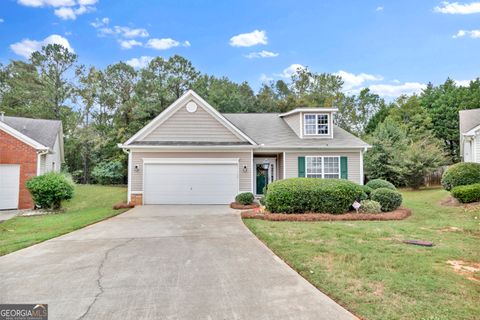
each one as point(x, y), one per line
point(162, 262)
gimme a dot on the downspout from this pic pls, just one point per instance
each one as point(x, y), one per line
point(129, 175)
point(39, 160)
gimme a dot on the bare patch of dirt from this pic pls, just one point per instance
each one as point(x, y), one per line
point(398, 214)
point(239, 206)
point(451, 229)
point(466, 269)
point(452, 202)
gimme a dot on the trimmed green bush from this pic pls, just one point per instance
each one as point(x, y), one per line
point(380, 183)
point(299, 195)
point(50, 189)
point(461, 174)
point(370, 206)
point(468, 193)
point(366, 192)
point(389, 199)
point(262, 201)
point(245, 198)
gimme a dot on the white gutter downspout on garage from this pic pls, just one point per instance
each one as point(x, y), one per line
point(39, 160)
point(129, 174)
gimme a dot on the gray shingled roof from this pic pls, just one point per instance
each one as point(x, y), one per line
point(188, 143)
point(41, 130)
point(272, 131)
point(469, 119)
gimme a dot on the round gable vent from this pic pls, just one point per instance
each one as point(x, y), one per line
point(191, 106)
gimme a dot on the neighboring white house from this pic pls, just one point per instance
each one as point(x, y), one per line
point(470, 135)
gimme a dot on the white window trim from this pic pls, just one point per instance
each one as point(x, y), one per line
point(323, 166)
point(316, 124)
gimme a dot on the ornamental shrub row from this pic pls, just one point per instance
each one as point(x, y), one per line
point(461, 174)
point(468, 193)
point(299, 195)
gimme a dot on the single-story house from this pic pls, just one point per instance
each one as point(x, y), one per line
point(192, 154)
point(470, 135)
point(28, 147)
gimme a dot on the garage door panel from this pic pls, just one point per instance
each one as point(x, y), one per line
point(9, 186)
point(190, 183)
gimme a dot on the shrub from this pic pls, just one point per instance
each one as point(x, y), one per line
point(380, 183)
point(109, 172)
point(262, 201)
point(245, 198)
point(468, 193)
point(299, 195)
point(370, 206)
point(49, 190)
point(461, 174)
point(389, 199)
point(367, 190)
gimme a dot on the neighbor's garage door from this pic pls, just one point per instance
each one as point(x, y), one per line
point(9, 185)
point(190, 182)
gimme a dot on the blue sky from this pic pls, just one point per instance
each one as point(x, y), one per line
point(392, 47)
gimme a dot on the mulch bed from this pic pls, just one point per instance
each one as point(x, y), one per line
point(398, 214)
point(239, 206)
point(123, 205)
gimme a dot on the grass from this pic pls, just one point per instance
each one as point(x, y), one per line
point(364, 266)
point(90, 204)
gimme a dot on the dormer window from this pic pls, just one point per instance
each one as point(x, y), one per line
point(317, 124)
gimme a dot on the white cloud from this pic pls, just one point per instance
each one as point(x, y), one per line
point(396, 90)
point(474, 34)
point(138, 63)
point(69, 13)
point(47, 3)
point(458, 8)
point(290, 70)
point(379, 9)
point(265, 78)
point(127, 32)
point(100, 22)
point(128, 44)
point(261, 54)
point(462, 83)
point(165, 43)
point(26, 47)
point(249, 39)
point(65, 9)
point(351, 80)
point(1, 20)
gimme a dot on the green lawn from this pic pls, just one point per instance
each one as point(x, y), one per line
point(90, 204)
point(365, 267)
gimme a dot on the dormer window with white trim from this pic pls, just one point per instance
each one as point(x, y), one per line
point(317, 124)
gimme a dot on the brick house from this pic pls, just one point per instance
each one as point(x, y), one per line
point(28, 147)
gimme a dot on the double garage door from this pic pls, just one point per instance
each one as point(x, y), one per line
point(190, 181)
point(9, 186)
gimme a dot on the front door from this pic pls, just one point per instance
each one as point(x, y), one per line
point(265, 173)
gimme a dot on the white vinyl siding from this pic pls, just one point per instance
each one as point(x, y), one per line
point(245, 178)
point(353, 161)
point(199, 126)
point(476, 148)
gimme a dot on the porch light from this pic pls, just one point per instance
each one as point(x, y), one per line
point(136, 168)
point(265, 165)
point(245, 169)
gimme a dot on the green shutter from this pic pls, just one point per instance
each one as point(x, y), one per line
point(301, 167)
point(344, 167)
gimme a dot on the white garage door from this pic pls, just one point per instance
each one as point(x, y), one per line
point(9, 185)
point(190, 181)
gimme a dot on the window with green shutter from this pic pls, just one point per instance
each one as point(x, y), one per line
point(343, 167)
point(301, 167)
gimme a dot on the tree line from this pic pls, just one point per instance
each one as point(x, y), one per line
point(100, 108)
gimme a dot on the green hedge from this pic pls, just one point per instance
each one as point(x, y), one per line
point(461, 174)
point(245, 198)
point(389, 199)
point(299, 195)
point(50, 189)
point(380, 183)
point(468, 193)
point(370, 206)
